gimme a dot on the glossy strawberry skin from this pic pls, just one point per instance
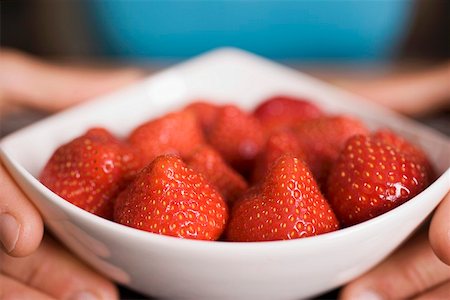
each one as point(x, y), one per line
point(237, 136)
point(372, 177)
point(169, 198)
point(87, 171)
point(287, 205)
point(204, 112)
point(283, 111)
point(211, 165)
point(322, 139)
point(279, 143)
point(412, 151)
point(175, 133)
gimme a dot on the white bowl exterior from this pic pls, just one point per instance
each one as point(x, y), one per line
point(181, 269)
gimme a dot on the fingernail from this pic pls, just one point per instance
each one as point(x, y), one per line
point(368, 295)
point(84, 295)
point(9, 231)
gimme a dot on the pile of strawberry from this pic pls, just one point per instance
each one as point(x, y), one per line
point(284, 171)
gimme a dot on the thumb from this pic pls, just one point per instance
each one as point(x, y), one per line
point(440, 231)
point(29, 81)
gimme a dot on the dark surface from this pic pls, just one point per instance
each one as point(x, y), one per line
point(128, 294)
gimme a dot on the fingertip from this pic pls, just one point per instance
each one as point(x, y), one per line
point(30, 235)
point(104, 291)
point(439, 234)
point(100, 286)
point(109, 291)
point(97, 287)
point(21, 226)
point(88, 281)
point(358, 290)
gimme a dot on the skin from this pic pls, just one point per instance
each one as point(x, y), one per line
point(420, 269)
point(412, 271)
point(53, 271)
point(32, 267)
point(431, 90)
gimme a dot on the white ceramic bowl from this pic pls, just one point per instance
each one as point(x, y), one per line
point(173, 268)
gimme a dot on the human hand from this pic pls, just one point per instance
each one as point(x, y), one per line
point(51, 272)
point(29, 268)
point(420, 268)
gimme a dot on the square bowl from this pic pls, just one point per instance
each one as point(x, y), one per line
point(174, 268)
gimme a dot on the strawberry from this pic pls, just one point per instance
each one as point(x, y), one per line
point(87, 171)
point(208, 162)
point(169, 198)
point(322, 140)
point(237, 136)
point(174, 133)
point(283, 111)
point(205, 113)
point(287, 205)
point(372, 177)
point(279, 143)
point(411, 150)
point(132, 161)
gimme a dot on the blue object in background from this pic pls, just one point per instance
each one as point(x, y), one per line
point(308, 30)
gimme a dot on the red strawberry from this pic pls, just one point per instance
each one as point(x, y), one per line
point(205, 113)
point(409, 149)
point(174, 133)
point(169, 198)
point(372, 177)
point(322, 140)
point(237, 136)
point(287, 205)
point(208, 162)
point(279, 143)
point(87, 171)
point(132, 162)
point(282, 111)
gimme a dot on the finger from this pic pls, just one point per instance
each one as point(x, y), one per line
point(11, 289)
point(440, 292)
point(440, 231)
point(21, 226)
point(29, 81)
point(54, 271)
point(412, 93)
point(409, 271)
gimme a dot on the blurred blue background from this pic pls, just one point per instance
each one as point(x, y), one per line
point(336, 31)
point(308, 30)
